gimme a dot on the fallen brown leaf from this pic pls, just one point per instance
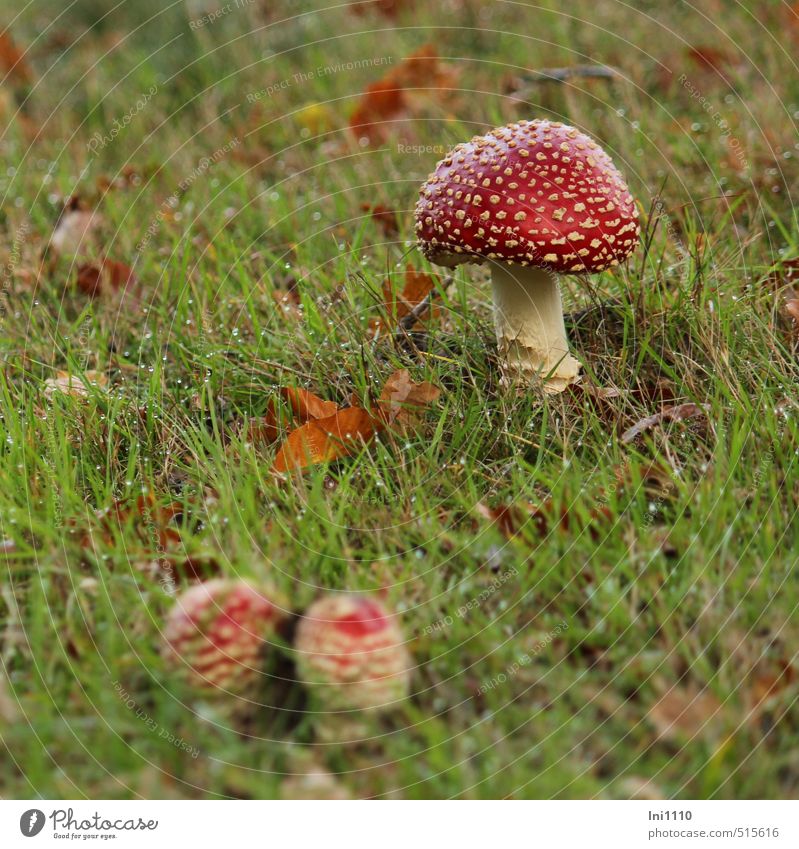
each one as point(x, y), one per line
point(152, 523)
point(684, 713)
point(677, 413)
point(416, 287)
point(74, 385)
point(326, 439)
point(786, 273)
point(386, 218)
point(390, 97)
point(767, 685)
point(507, 517)
point(306, 406)
point(388, 8)
point(380, 102)
point(329, 433)
point(710, 58)
point(402, 400)
point(12, 60)
point(303, 405)
point(541, 518)
point(102, 278)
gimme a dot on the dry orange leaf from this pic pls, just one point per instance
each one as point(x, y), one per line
point(510, 518)
point(153, 522)
point(386, 218)
point(507, 517)
point(423, 69)
point(710, 58)
point(768, 685)
point(386, 99)
point(380, 102)
point(402, 400)
point(684, 713)
point(416, 288)
point(323, 440)
point(108, 276)
point(12, 60)
point(387, 8)
point(330, 433)
point(305, 405)
point(73, 385)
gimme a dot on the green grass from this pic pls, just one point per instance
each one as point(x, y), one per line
point(688, 585)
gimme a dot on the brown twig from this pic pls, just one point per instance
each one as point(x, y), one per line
point(562, 75)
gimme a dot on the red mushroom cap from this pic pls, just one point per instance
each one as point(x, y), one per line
point(352, 653)
point(533, 193)
point(216, 631)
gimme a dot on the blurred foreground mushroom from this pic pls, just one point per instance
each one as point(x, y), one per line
point(535, 199)
point(351, 654)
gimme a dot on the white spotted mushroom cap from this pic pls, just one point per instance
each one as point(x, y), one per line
point(352, 653)
point(532, 193)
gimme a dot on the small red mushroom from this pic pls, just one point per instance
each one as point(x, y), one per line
point(351, 654)
point(215, 634)
point(535, 199)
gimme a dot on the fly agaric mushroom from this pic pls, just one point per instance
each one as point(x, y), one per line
point(535, 199)
point(352, 655)
point(216, 632)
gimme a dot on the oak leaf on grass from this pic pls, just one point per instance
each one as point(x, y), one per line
point(102, 278)
point(329, 433)
point(323, 440)
point(402, 400)
point(303, 405)
point(684, 713)
point(74, 385)
point(416, 287)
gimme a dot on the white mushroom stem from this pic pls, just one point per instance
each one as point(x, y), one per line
point(528, 316)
